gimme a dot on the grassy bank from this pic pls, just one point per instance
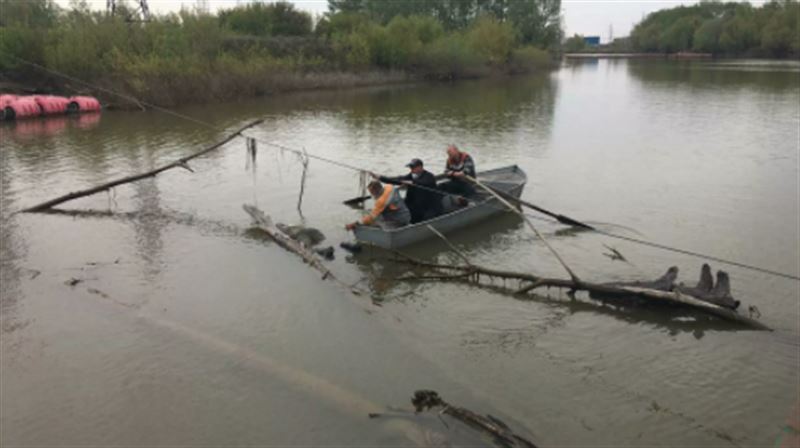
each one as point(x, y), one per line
point(255, 49)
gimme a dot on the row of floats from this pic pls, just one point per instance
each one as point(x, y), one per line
point(14, 107)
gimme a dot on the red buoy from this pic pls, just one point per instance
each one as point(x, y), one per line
point(83, 104)
point(6, 98)
point(21, 107)
point(52, 105)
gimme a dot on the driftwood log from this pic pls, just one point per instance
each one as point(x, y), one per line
point(180, 163)
point(263, 222)
point(502, 435)
point(477, 274)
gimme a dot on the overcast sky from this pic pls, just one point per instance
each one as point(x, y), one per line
point(587, 17)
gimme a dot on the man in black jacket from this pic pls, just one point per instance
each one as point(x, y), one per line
point(424, 201)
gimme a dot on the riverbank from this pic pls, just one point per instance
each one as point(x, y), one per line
point(127, 93)
point(615, 55)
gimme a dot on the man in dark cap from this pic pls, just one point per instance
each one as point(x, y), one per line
point(422, 198)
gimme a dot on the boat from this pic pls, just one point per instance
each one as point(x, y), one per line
point(510, 180)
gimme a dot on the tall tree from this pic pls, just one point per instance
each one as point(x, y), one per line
point(335, 6)
point(536, 21)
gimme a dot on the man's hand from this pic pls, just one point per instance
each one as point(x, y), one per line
point(407, 182)
point(351, 226)
point(458, 174)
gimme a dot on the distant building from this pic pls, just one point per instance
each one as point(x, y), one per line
point(591, 41)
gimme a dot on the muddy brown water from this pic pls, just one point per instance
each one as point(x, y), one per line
point(188, 329)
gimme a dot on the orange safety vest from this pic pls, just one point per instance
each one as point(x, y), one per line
point(389, 200)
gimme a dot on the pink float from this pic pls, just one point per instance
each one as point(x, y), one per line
point(84, 104)
point(52, 105)
point(22, 107)
point(5, 99)
point(13, 107)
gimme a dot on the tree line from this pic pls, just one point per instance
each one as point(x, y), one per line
point(239, 50)
point(729, 29)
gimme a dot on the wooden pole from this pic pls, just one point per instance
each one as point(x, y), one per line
point(180, 163)
point(491, 191)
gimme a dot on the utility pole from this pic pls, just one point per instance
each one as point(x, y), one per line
point(610, 33)
point(143, 9)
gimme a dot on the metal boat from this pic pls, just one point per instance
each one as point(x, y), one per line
point(482, 205)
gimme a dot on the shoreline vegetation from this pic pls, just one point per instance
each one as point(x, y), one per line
point(254, 49)
point(260, 48)
point(712, 29)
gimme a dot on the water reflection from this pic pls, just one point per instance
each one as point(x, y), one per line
point(713, 75)
point(12, 251)
point(35, 128)
point(592, 146)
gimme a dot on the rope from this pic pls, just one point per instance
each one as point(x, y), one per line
point(361, 170)
point(699, 255)
point(111, 92)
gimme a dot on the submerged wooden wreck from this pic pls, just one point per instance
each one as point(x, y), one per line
point(498, 188)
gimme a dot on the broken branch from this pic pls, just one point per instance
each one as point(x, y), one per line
point(90, 191)
point(598, 291)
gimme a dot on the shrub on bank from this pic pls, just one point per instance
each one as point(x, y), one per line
point(730, 29)
point(256, 48)
point(491, 39)
point(450, 57)
point(266, 19)
point(529, 59)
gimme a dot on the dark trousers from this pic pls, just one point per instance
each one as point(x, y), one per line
point(419, 214)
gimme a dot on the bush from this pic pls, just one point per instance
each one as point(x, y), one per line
point(341, 24)
point(678, 36)
point(401, 45)
point(575, 44)
point(734, 29)
point(261, 19)
point(528, 59)
point(354, 50)
point(23, 42)
point(28, 13)
point(196, 56)
point(706, 38)
point(450, 57)
point(491, 39)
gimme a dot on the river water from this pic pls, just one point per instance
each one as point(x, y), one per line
point(187, 328)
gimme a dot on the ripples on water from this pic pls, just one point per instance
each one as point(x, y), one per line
point(183, 319)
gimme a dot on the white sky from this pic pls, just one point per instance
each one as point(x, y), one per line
point(587, 17)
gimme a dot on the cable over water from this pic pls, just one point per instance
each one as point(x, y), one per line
point(361, 170)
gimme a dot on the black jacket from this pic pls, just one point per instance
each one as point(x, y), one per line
point(422, 199)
